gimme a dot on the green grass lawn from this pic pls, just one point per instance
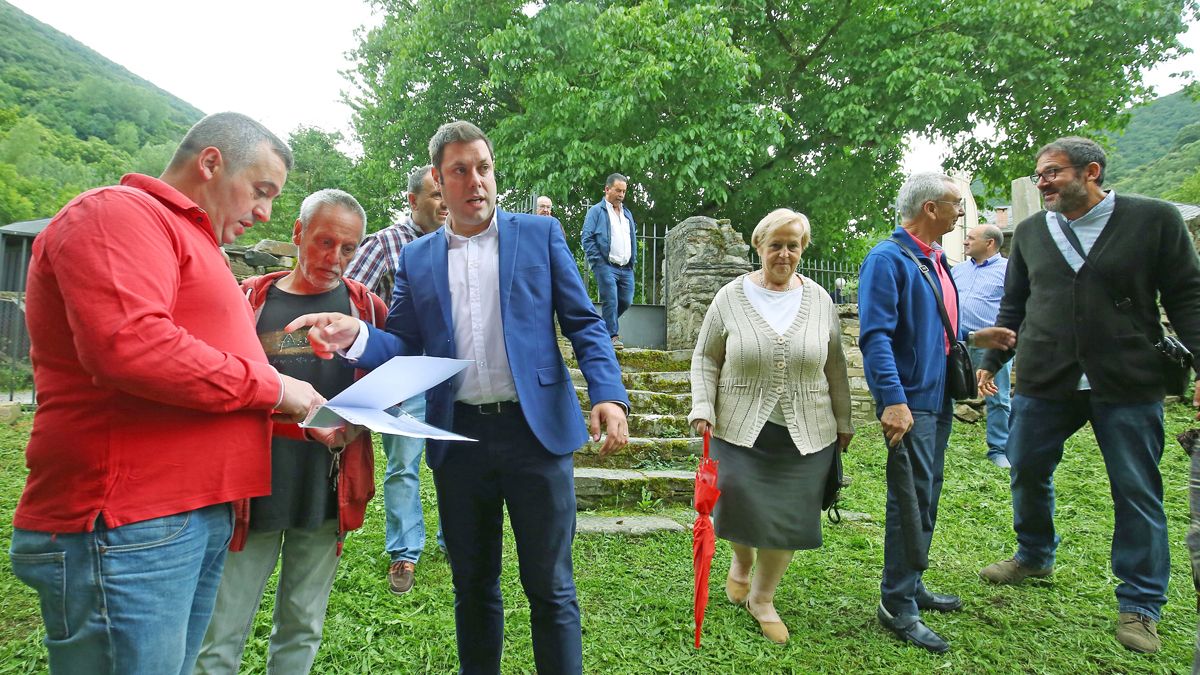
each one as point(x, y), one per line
point(636, 593)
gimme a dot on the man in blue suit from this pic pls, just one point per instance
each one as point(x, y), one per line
point(486, 288)
point(610, 244)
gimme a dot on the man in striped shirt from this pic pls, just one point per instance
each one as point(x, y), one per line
point(375, 266)
point(980, 281)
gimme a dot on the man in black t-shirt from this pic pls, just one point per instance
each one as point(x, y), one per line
point(313, 499)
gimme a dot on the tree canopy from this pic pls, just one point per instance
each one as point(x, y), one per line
point(732, 110)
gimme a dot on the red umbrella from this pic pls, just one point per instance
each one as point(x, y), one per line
point(703, 538)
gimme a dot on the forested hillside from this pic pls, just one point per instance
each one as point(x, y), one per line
point(1158, 155)
point(70, 119)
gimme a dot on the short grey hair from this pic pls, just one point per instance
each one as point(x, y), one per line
point(992, 232)
point(921, 188)
point(237, 137)
point(329, 197)
point(455, 132)
point(416, 179)
point(781, 218)
point(614, 177)
point(1079, 150)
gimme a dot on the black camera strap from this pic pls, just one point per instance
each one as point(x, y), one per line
point(1123, 304)
point(937, 292)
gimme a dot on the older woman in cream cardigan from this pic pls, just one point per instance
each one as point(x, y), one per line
point(769, 381)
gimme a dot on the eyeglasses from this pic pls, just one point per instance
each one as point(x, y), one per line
point(1052, 172)
point(961, 203)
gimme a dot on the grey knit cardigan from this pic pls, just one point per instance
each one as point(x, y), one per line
point(742, 368)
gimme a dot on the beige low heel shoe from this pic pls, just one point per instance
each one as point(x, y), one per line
point(736, 591)
point(774, 631)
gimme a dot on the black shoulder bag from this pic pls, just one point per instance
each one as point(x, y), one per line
point(1176, 360)
point(960, 372)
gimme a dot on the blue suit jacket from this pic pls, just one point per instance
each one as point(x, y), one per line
point(595, 236)
point(538, 280)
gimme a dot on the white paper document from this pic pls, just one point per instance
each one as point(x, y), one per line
point(366, 401)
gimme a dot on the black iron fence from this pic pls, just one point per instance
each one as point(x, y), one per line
point(839, 279)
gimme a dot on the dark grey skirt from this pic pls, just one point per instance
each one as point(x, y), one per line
point(770, 493)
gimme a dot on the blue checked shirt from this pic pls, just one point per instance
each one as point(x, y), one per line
point(378, 257)
point(980, 287)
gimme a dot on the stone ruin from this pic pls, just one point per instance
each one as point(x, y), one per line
point(266, 256)
point(701, 256)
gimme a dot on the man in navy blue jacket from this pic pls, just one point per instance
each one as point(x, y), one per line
point(610, 245)
point(486, 288)
point(904, 347)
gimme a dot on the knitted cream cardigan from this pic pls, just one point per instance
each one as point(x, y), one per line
point(742, 368)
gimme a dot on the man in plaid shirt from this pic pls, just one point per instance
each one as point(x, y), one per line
point(375, 266)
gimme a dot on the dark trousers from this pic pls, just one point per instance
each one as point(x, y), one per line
point(930, 434)
point(509, 467)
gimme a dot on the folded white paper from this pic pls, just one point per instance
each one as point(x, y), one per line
point(366, 401)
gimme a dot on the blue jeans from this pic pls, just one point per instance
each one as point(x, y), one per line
point(130, 599)
point(1130, 436)
point(309, 564)
point(615, 287)
point(930, 434)
point(998, 407)
point(404, 521)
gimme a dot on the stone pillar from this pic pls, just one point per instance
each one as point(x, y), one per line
point(1026, 200)
point(702, 255)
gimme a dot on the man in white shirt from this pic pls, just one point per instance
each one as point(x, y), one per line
point(610, 245)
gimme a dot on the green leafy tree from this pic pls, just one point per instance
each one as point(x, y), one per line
point(732, 110)
point(1188, 191)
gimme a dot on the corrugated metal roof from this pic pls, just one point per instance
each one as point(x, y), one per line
point(1188, 211)
point(25, 228)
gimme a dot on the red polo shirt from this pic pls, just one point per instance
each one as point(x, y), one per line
point(153, 390)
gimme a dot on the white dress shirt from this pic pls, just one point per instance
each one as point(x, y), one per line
point(474, 274)
point(619, 250)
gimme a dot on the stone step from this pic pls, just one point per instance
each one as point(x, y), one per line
point(640, 452)
point(659, 426)
point(622, 488)
point(647, 402)
point(633, 359)
point(626, 525)
point(669, 382)
point(650, 425)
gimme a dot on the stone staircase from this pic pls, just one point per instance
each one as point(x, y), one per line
point(657, 467)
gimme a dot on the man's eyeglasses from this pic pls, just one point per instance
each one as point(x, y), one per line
point(1052, 172)
point(961, 203)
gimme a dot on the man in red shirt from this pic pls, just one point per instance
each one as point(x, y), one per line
point(154, 403)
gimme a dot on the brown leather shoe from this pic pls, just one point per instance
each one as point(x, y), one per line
point(1011, 572)
point(1138, 632)
point(400, 577)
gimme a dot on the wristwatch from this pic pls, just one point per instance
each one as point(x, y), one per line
point(971, 339)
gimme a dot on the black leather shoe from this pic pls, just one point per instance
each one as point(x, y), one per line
point(912, 630)
point(938, 602)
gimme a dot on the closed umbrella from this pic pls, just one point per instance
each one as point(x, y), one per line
point(703, 537)
point(912, 526)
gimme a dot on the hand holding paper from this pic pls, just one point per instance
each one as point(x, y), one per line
point(366, 401)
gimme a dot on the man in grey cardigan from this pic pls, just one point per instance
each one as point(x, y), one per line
point(1088, 324)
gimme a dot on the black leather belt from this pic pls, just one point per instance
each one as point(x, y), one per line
point(497, 408)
